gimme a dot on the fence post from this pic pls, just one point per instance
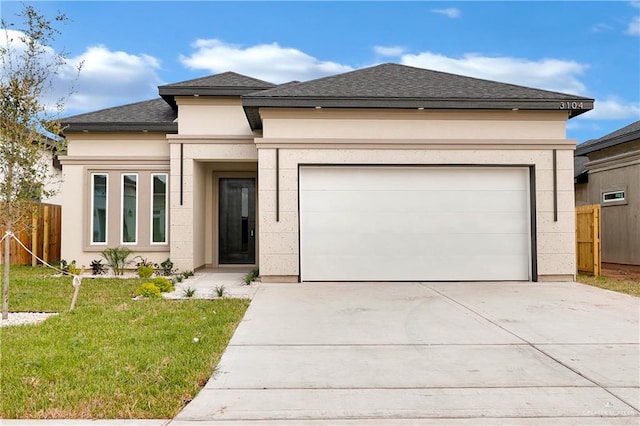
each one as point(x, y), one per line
point(45, 236)
point(34, 238)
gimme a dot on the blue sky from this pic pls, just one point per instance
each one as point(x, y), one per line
point(585, 48)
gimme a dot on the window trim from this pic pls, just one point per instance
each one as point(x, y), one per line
point(614, 201)
point(106, 209)
point(166, 208)
point(122, 194)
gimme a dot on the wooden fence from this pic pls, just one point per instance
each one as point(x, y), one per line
point(43, 237)
point(588, 249)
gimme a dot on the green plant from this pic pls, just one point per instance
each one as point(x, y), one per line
point(187, 274)
point(179, 278)
point(63, 265)
point(189, 292)
point(251, 276)
point(145, 271)
point(165, 268)
point(73, 269)
point(143, 262)
point(163, 284)
point(97, 267)
point(117, 258)
point(148, 290)
point(221, 291)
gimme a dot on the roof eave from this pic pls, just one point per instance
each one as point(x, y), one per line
point(628, 137)
point(252, 104)
point(120, 127)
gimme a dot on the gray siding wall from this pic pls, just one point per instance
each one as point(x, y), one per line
point(620, 223)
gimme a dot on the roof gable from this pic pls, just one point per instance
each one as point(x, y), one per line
point(401, 86)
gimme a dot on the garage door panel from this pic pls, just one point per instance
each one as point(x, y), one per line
point(376, 201)
point(440, 223)
point(400, 245)
point(414, 223)
point(408, 178)
point(440, 268)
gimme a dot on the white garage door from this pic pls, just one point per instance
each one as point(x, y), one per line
point(375, 223)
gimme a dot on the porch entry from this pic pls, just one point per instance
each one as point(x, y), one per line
point(237, 221)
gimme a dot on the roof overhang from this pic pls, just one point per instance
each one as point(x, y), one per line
point(169, 93)
point(76, 127)
point(253, 103)
point(627, 137)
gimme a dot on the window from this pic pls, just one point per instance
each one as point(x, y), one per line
point(612, 196)
point(129, 208)
point(159, 208)
point(99, 202)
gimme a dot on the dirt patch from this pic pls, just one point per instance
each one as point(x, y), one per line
point(621, 272)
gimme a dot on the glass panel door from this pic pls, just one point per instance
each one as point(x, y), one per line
point(236, 223)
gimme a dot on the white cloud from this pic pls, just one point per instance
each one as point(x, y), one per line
point(550, 74)
point(112, 78)
point(634, 26)
point(634, 3)
point(601, 28)
point(389, 50)
point(613, 109)
point(450, 12)
point(107, 78)
point(270, 62)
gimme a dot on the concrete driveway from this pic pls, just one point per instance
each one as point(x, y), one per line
point(428, 353)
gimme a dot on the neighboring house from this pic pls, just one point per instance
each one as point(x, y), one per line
point(609, 175)
point(49, 158)
point(387, 173)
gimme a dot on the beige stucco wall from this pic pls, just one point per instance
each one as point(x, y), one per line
point(192, 232)
point(109, 153)
point(200, 115)
point(365, 139)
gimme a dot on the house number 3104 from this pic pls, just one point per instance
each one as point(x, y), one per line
point(570, 105)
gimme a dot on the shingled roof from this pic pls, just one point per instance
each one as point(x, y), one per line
point(224, 84)
point(153, 116)
point(626, 134)
point(401, 86)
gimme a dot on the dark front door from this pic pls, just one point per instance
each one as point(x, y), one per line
point(237, 221)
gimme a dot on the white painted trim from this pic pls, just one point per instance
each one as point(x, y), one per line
point(106, 206)
point(166, 207)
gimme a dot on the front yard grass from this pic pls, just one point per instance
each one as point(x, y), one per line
point(112, 357)
point(614, 284)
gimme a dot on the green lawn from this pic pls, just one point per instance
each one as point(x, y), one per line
point(112, 357)
point(614, 284)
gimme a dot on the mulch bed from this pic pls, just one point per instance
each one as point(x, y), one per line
point(622, 272)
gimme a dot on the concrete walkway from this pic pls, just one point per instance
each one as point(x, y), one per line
point(428, 353)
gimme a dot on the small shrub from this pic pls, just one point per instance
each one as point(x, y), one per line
point(187, 274)
point(117, 258)
point(189, 292)
point(179, 278)
point(97, 267)
point(63, 265)
point(165, 268)
point(148, 290)
point(143, 262)
point(73, 269)
point(251, 276)
point(145, 271)
point(221, 291)
point(163, 284)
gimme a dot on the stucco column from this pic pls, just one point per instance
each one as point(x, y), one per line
point(181, 214)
